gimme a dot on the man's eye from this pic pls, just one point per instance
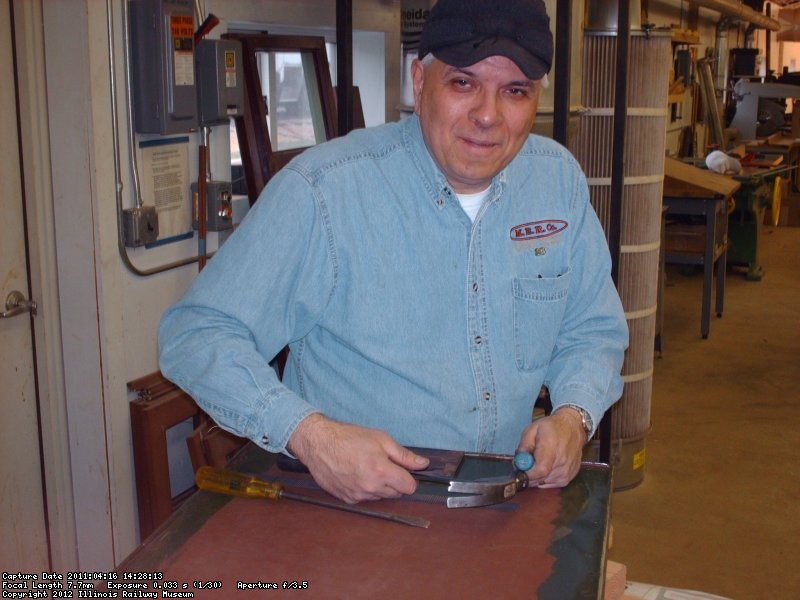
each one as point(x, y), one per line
point(518, 92)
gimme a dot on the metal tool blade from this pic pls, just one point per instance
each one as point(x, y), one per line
point(485, 492)
point(474, 494)
point(359, 510)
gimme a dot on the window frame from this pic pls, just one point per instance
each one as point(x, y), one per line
point(260, 161)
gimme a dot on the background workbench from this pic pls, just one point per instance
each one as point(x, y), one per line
point(701, 196)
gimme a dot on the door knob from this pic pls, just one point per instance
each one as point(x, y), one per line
point(16, 304)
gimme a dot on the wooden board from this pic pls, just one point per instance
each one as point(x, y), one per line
point(684, 180)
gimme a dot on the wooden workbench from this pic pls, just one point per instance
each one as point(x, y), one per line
point(546, 544)
point(693, 192)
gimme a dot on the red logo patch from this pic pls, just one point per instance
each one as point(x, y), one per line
point(537, 229)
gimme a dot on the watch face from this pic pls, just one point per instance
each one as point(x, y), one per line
point(586, 421)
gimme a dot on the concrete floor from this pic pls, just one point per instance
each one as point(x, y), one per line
point(718, 509)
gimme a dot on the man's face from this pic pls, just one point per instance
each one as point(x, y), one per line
point(474, 119)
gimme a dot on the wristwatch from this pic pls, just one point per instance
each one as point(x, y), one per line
point(586, 419)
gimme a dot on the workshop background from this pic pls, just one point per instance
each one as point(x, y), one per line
point(102, 233)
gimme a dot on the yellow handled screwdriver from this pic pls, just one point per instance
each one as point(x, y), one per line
point(246, 486)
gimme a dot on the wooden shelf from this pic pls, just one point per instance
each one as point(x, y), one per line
point(685, 36)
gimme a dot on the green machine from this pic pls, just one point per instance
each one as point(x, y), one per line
point(761, 188)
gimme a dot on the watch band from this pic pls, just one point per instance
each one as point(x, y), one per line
point(586, 419)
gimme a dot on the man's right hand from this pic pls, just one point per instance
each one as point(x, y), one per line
point(354, 463)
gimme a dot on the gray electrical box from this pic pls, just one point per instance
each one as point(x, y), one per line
point(140, 226)
point(219, 215)
point(162, 66)
point(220, 89)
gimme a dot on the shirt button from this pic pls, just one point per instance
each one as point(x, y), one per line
point(478, 339)
point(487, 396)
point(475, 287)
point(439, 201)
point(265, 440)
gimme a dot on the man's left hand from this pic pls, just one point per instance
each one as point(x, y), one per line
point(556, 442)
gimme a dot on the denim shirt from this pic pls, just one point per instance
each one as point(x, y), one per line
point(400, 313)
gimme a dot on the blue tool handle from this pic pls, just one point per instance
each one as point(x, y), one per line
point(524, 461)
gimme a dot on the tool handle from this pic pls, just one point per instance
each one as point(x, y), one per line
point(236, 484)
point(524, 461)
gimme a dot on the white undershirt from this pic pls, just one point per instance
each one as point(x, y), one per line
point(471, 203)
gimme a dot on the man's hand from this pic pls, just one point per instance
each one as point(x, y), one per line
point(556, 443)
point(354, 463)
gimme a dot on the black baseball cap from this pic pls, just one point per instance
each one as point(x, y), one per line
point(463, 32)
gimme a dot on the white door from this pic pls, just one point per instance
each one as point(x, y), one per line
point(23, 532)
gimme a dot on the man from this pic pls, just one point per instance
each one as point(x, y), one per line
point(429, 277)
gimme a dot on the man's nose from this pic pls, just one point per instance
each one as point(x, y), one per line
point(485, 111)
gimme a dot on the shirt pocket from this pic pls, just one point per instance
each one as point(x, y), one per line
point(539, 306)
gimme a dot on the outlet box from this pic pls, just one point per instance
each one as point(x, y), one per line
point(140, 226)
point(220, 205)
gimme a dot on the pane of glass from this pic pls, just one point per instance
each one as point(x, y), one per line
point(289, 85)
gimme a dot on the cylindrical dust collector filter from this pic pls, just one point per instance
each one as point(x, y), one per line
point(640, 222)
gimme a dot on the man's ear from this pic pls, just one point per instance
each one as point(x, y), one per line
point(417, 79)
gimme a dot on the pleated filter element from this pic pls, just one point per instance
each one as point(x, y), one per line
point(640, 220)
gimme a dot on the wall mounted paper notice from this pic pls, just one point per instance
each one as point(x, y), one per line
point(165, 184)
